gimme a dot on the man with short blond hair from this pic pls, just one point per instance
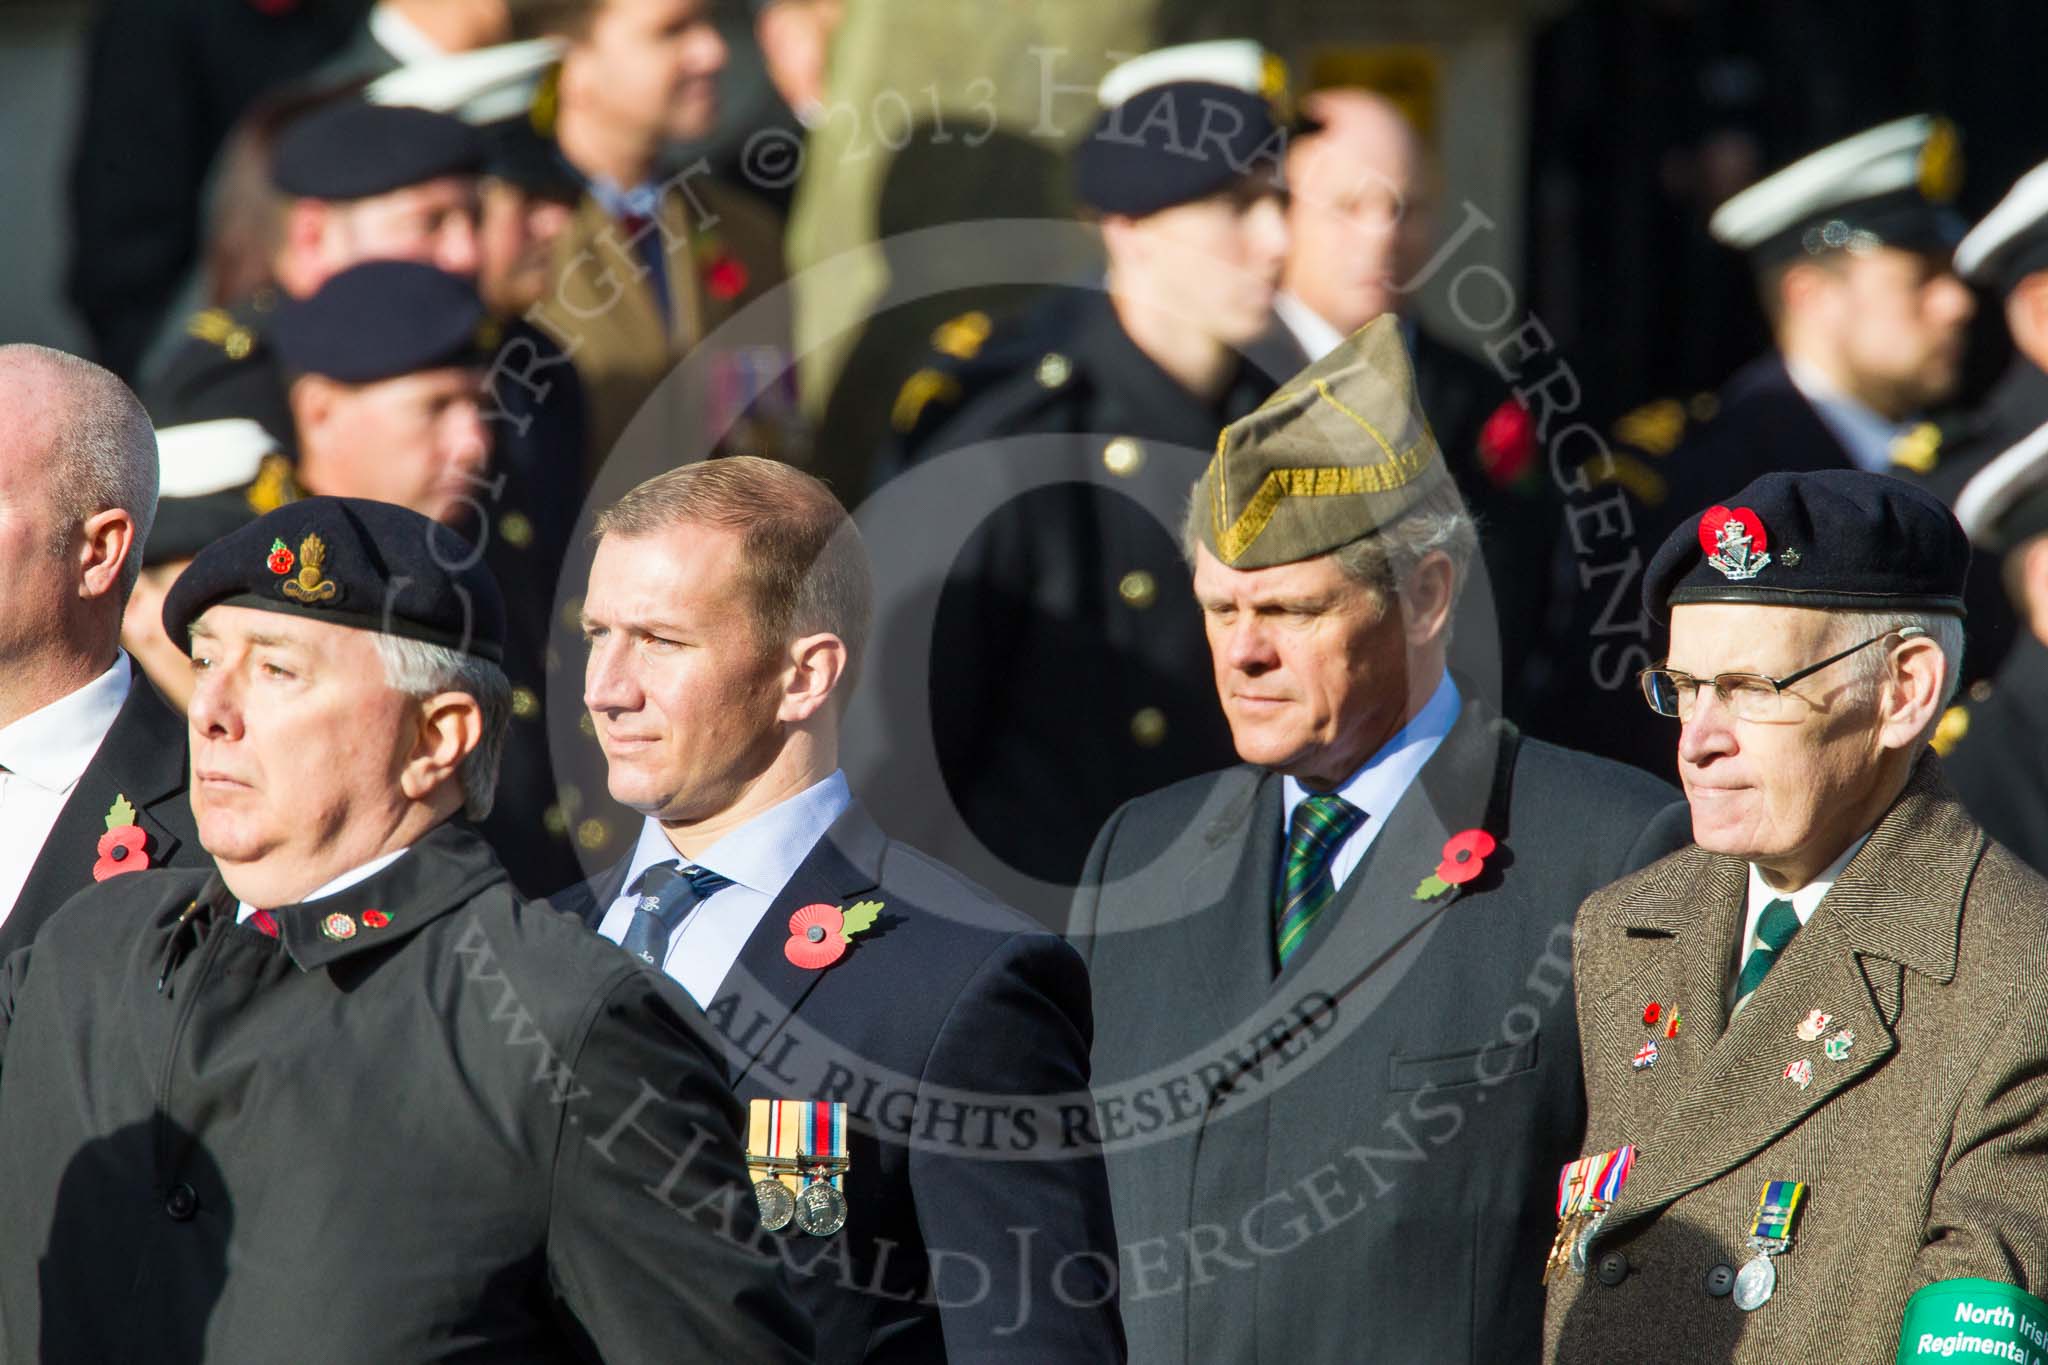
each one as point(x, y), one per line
point(85, 742)
point(1839, 1132)
point(911, 1040)
point(353, 1057)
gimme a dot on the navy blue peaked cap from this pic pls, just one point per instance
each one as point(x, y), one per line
point(1176, 143)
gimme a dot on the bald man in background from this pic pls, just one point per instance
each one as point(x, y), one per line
point(1363, 223)
point(92, 762)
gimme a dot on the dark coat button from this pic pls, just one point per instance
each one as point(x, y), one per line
point(1613, 1269)
point(182, 1203)
point(1720, 1281)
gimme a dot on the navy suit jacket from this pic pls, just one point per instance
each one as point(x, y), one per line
point(957, 1033)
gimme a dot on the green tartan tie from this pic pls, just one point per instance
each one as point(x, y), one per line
point(1320, 827)
point(1774, 929)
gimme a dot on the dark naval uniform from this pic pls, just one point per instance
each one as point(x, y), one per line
point(2015, 410)
point(423, 1124)
point(1070, 672)
point(1999, 761)
point(1761, 424)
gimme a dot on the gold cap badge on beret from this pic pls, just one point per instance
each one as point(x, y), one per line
point(1341, 450)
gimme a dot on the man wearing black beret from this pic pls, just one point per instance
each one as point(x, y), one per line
point(1816, 1041)
point(385, 366)
point(1124, 388)
point(362, 183)
point(349, 1098)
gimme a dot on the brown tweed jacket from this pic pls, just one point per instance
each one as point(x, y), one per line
point(1925, 1149)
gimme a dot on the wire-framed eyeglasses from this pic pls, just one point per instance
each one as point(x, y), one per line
point(1748, 696)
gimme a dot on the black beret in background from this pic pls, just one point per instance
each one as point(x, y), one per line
point(1842, 539)
point(352, 562)
point(351, 150)
point(1176, 143)
point(380, 320)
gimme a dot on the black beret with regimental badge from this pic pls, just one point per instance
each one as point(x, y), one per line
point(351, 149)
point(383, 319)
point(1340, 451)
point(353, 562)
point(1840, 539)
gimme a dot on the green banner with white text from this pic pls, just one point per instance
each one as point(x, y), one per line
point(1974, 1320)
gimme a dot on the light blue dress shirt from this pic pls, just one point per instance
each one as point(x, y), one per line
point(759, 858)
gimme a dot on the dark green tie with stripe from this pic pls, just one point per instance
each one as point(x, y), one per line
point(1321, 825)
point(1774, 929)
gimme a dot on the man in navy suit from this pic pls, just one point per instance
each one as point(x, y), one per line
point(728, 604)
point(87, 747)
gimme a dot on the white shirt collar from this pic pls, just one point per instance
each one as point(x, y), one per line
point(335, 887)
point(1805, 900)
point(401, 37)
point(764, 853)
point(1379, 784)
point(1316, 337)
point(1865, 434)
point(52, 746)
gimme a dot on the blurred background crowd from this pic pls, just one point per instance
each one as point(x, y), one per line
point(849, 234)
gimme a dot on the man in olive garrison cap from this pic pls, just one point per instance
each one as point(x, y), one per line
point(1334, 1030)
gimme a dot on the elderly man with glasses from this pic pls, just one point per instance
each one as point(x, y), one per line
point(1816, 1042)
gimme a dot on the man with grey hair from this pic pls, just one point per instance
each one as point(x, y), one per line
point(1846, 1136)
point(87, 748)
point(353, 1058)
point(1336, 1066)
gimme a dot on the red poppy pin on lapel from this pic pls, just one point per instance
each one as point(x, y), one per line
point(1464, 858)
point(820, 934)
point(125, 845)
point(724, 274)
